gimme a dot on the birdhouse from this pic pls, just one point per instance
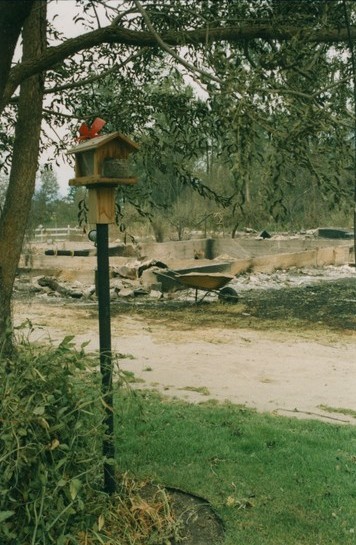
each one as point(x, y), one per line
point(101, 164)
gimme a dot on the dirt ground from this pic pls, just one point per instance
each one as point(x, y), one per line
point(289, 351)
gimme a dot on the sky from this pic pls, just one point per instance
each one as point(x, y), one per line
point(65, 10)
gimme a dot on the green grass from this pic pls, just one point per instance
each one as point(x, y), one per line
point(273, 480)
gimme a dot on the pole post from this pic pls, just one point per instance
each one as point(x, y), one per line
point(103, 292)
point(93, 155)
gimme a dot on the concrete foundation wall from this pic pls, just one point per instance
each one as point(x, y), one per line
point(234, 248)
point(253, 248)
point(185, 249)
point(319, 257)
point(238, 256)
point(256, 254)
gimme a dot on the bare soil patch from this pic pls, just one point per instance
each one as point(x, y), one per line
point(289, 350)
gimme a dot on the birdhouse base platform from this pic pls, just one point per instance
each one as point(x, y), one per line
point(100, 181)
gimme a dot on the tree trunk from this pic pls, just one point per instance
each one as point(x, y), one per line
point(234, 230)
point(17, 205)
point(12, 18)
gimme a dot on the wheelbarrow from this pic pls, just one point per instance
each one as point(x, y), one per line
point(208, 282)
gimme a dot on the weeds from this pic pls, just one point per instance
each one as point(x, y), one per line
point(51, 433)
point(199, 389)
point(338, 410)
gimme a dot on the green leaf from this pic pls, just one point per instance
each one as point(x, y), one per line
point(39, 411)
point(4, 515)
point(67, 342)
point(74, 487)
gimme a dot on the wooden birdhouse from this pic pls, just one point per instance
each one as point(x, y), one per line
point(101, 164)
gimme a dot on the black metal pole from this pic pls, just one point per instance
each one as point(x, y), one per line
point(103, 292)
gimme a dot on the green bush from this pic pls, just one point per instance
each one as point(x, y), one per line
point(50, 444)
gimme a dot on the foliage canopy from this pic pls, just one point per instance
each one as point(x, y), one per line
point(273, 110)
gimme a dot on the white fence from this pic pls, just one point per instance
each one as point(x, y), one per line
point(56, 234)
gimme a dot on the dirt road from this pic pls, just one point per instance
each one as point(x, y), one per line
point(292, 374)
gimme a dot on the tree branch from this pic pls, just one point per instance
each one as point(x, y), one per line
point(59, 114)
point(97, 77)
point(111, 35)
point(169, 50)
point(11, 22)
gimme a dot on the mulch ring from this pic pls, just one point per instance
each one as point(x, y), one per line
point(196, 521)
point(200, 524)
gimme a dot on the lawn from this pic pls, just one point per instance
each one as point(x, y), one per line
point(272, 480)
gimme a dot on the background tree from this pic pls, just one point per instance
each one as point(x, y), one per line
point(273, 103)
point(68, 207)
point(45, 200)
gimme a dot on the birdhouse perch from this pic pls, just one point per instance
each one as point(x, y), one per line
point(101, 164)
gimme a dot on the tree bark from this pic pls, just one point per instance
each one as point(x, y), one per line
point(14, 217)
point(12, 18)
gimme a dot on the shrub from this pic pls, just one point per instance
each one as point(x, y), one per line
point(50, 444)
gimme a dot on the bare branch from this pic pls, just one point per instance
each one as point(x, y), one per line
point(116, 21)
point(60, 114)
point(96, 15)
point(331, 86)
point(169, 50)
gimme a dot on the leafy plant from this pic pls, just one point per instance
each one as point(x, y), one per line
point(51, 433)
point(51, 429)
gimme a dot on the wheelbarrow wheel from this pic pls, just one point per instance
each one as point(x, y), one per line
point(228, 295)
